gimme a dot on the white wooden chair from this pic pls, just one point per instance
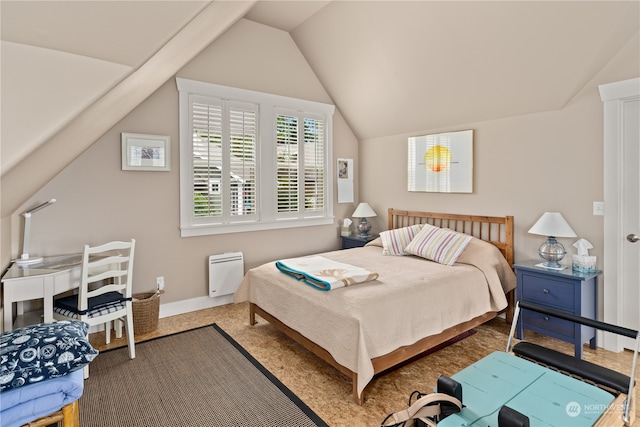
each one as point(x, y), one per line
point(105, 290)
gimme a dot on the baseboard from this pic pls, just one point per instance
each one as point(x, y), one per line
point(194, 304)
point(166, 310)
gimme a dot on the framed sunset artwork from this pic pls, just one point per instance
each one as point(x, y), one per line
point(441, 163)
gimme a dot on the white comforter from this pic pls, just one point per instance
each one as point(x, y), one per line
point(412, 298)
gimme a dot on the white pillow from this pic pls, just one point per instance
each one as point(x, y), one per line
point(438, 244)
point(395, 241)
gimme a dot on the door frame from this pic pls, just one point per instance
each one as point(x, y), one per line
point(614, 95)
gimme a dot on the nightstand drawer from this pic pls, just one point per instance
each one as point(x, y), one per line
point(550, 324)
point(349, 242)
point(551, 293)
point(352, 243)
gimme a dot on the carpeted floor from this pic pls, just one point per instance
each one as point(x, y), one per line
point(326, 391)
point(197, 378)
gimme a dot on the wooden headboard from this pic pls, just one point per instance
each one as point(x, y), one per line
point(497, 230)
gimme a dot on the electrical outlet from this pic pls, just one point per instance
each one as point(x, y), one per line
point(160, 283)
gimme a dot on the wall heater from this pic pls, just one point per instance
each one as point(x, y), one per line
point(225, 273)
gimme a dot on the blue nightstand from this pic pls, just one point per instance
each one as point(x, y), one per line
point(357, 241)
point(565, 290)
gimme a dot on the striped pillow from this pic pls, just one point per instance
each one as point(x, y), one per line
point(438, 244)
point(395, 241)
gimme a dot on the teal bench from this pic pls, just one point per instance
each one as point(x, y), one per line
point(530, 385)
point(545, 386)
point(545, 396)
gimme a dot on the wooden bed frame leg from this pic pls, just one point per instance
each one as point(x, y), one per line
point(71, 415)
point(511, 303)
point(358, 399)
point(252, 315)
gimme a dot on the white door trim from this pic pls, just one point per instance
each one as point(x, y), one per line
point(614, 95)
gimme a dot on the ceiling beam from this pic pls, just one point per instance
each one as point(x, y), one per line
point(32, 173)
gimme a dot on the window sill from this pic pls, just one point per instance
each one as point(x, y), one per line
point(205, 230)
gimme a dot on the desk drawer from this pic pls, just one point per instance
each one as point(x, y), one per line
point(24, 289)
point(550, 293)
point(549, 325)
point(66, 280)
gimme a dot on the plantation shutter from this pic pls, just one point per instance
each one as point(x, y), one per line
point(224, 160)
point(301, 166)
point(243, 130)
point(207, 158)
point(287, 152)
point(314, 165)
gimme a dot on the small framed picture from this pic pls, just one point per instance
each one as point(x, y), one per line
point(143, 152)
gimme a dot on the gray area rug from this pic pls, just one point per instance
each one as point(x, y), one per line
point(199, 378)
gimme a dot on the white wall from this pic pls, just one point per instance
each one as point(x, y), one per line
point(97, 201)
point(523, 166)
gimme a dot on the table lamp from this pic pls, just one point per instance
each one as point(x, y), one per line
point(25, 259)
point(552, 225)
point(364, 211)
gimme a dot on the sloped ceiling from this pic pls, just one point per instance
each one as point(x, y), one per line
point(58, 57)
point(390, 66)
point(397, 67)
point(45, 158)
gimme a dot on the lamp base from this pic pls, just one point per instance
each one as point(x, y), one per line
point(364, 227)
point(551, 264)
point(562, 267)
point(552, 252)
point(27, 260)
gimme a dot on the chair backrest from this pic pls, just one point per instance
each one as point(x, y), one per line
point(112, 265)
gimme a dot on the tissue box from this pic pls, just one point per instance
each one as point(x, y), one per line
point(345, 231)
point(584, 263)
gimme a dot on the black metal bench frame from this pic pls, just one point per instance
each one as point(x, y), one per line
point(601, 376)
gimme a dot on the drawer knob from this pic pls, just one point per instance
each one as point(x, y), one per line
point(546, 317)
point(545, 291)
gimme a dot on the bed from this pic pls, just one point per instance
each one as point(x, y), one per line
point(414, 305)
point(44, 403)
point(42, 373)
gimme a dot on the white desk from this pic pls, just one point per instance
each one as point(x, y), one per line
point(53, 276)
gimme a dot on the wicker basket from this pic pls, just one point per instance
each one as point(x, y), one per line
point(146, 308)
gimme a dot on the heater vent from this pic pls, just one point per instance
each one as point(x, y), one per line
point(225, 273)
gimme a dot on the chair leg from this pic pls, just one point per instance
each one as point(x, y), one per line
point(107, 332)
point(117, 326)
point(130, 338)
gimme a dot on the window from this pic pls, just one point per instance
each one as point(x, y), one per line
point(252, 161)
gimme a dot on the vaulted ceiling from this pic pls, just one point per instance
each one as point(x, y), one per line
point(390, 66)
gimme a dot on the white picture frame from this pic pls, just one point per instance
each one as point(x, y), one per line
point(145, 152)
point(345, 180)
point(441, 163)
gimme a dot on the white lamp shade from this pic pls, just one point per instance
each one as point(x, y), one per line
point(552, 224)
point(363, 211)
